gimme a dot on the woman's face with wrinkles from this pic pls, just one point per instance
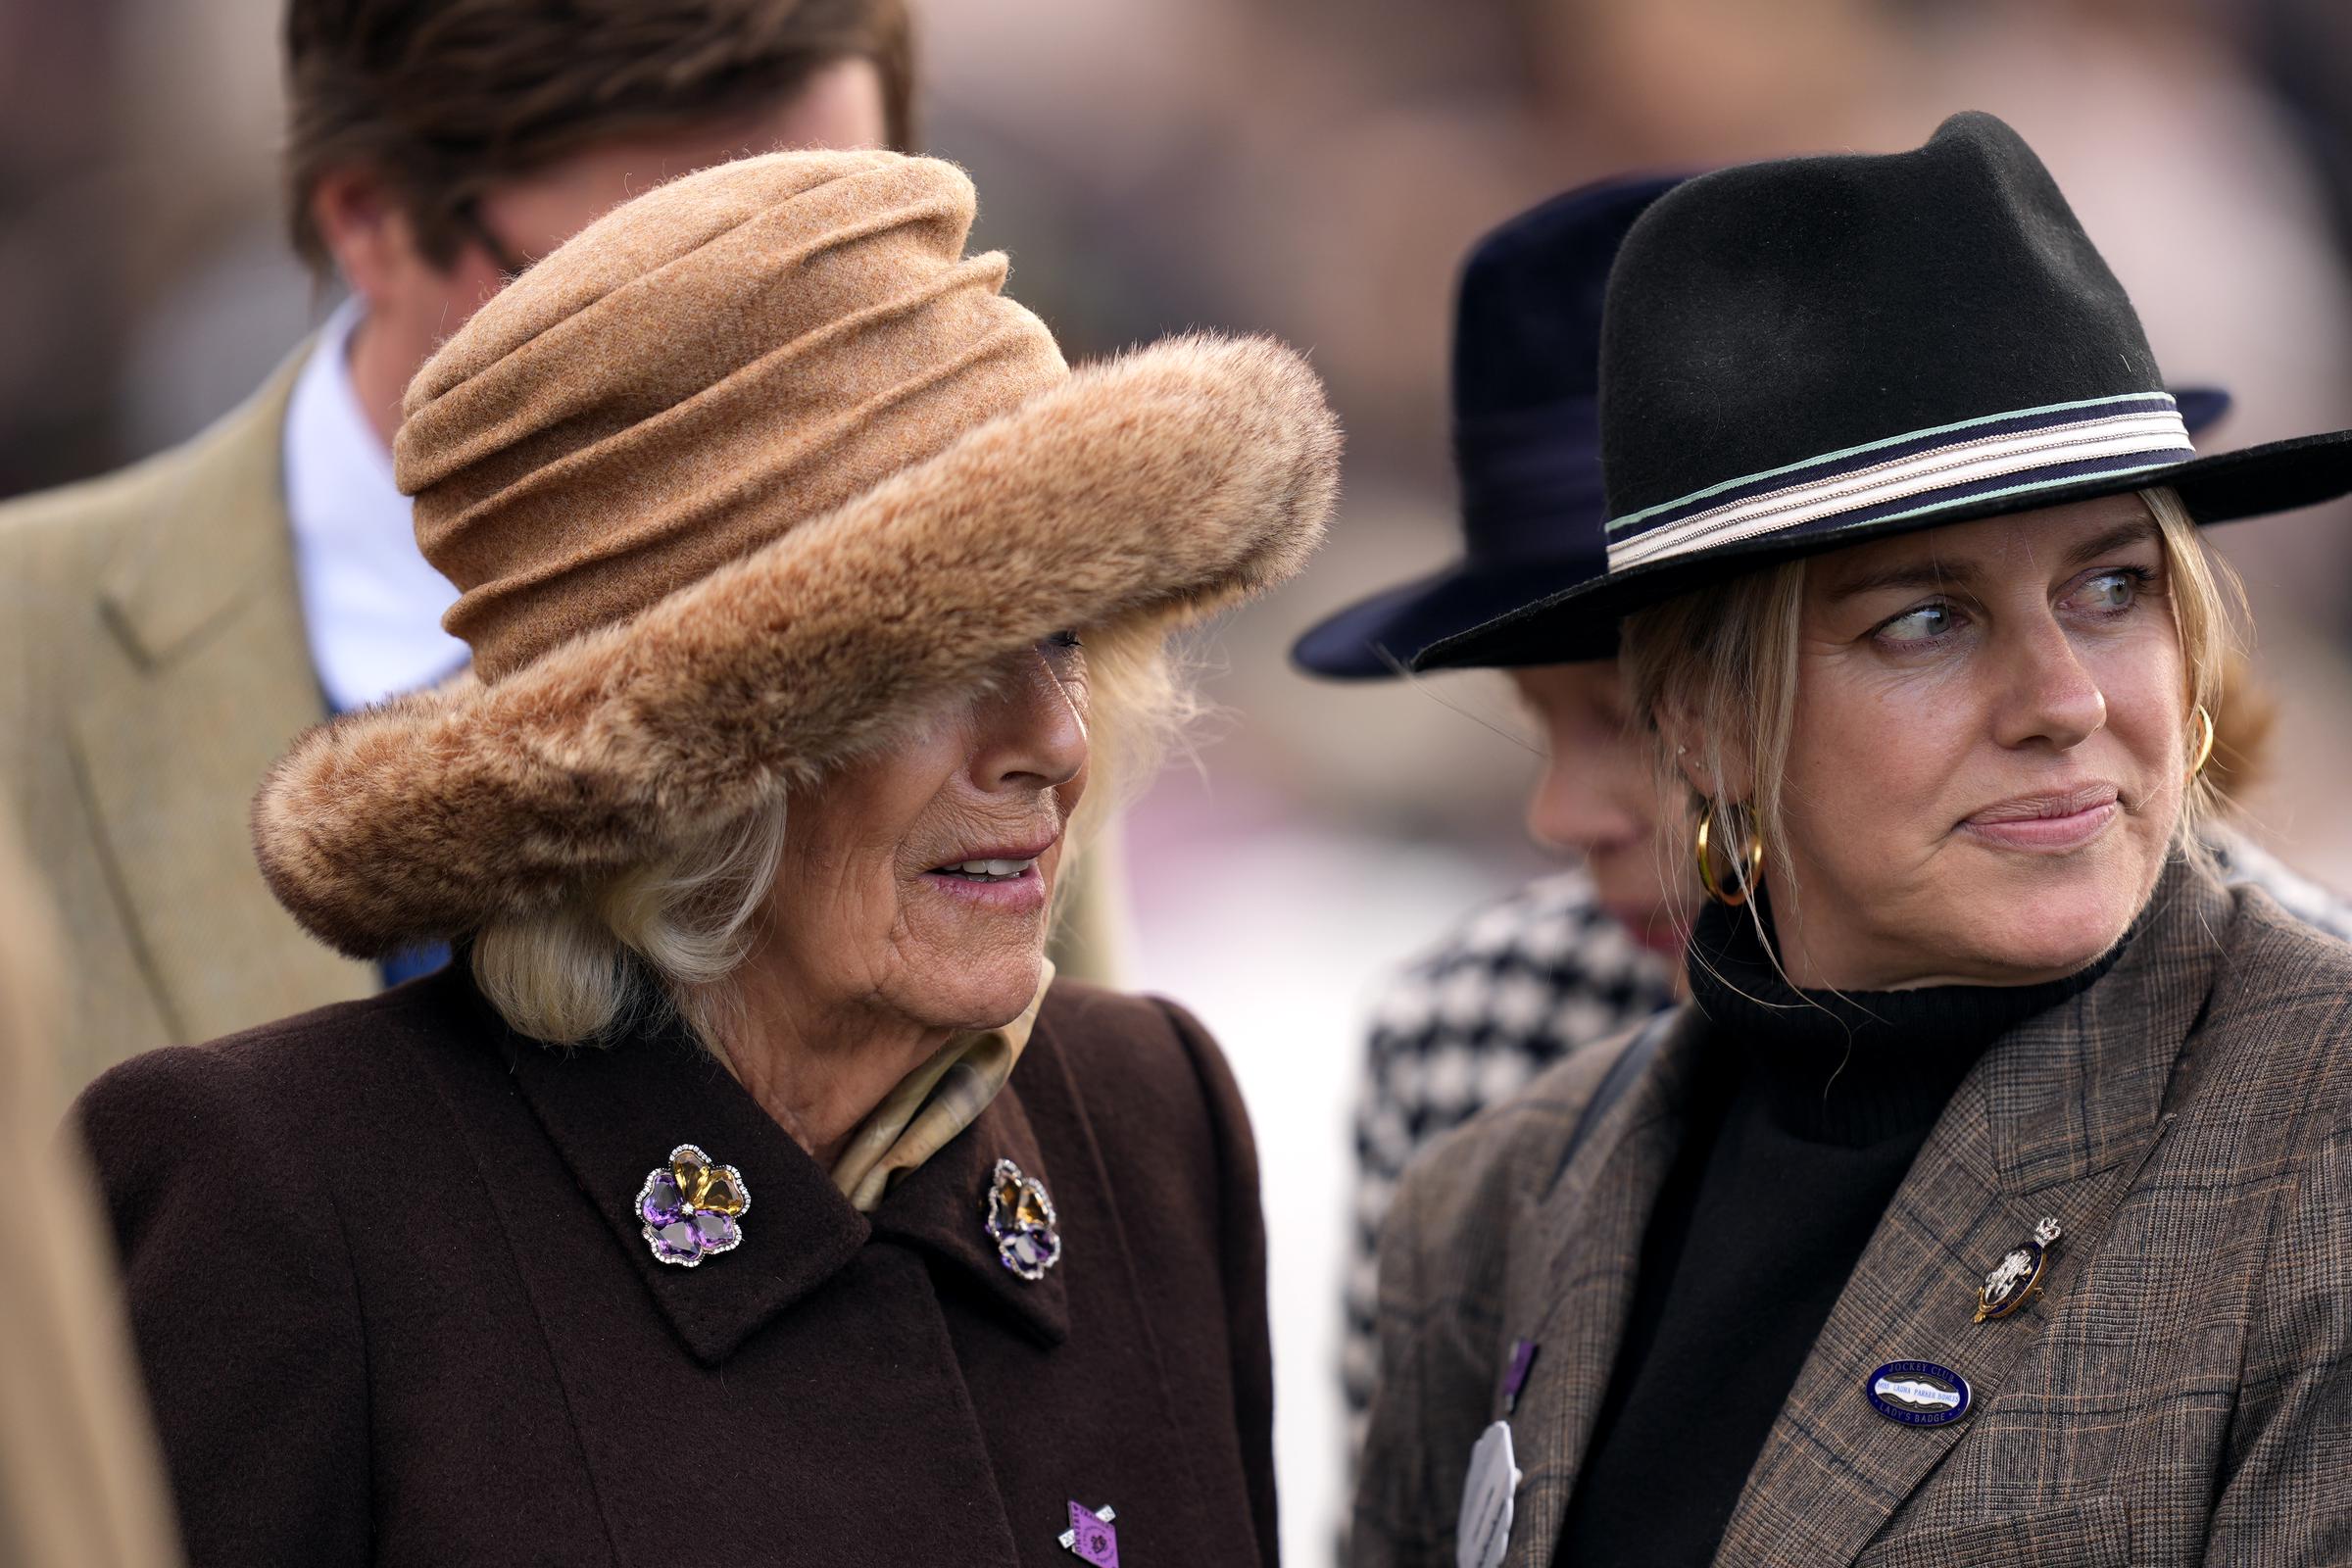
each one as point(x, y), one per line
point(917, 884)
point(1991, 749)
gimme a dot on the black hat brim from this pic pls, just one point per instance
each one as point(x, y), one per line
point(1377, 638)
point(2256, 481)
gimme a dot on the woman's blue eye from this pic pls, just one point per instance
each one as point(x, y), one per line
point(2112, 591)
point(1927, 623)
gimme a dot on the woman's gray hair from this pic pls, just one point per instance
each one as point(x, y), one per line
point(665, 939)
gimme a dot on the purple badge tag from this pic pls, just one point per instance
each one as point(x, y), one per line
point(1523, 1356)
point(1090, 1535)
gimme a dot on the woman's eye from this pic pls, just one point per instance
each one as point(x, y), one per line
point(2110, 590)
point(1064, 654)
point(1924, 624)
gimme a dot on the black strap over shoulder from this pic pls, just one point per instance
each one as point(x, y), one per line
point(1638, 1053)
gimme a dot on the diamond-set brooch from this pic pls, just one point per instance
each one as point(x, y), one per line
point(691, 1208)
point(2017, 1277)
point(1021, 1222)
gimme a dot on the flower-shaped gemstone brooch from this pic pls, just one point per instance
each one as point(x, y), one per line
point(1020, 1220)
point(690, 1208)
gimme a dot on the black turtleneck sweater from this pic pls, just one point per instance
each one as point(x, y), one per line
point(1805, 1111)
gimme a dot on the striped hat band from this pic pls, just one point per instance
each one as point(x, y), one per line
point(1901, 476)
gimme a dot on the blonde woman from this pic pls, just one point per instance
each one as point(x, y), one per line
point(1984, 1203)
point(815, 605)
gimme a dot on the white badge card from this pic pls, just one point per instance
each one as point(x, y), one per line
point(1485, 1527)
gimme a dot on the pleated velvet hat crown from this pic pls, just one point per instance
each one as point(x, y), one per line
point(734, 486)
point(1806, 353)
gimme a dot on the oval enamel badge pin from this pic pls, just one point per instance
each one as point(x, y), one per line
point(1918, 1394)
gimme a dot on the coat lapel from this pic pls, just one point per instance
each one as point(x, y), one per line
point(800, 1231)
point(2055, 1121)
point(214, 681)
point(615, 1115)
point(1571, 1298)
point(941, 1208)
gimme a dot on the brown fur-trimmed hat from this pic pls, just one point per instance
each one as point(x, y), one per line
point(732, 485)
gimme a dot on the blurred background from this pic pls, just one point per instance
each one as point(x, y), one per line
point(1315, 169)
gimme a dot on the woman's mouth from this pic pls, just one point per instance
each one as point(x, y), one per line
point(989, 870)
point(2047, 824)
point(1002, 879)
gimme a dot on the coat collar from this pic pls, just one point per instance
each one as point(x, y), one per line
point(614, 1113)
point(2055, 1119)
point(941, 1207)
point(216, 533)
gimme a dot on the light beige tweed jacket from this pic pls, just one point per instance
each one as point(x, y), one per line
point(152, 666)
point(2180, 1393)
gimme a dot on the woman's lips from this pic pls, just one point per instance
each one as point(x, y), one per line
point(2049, 824)
point(1022, 894)
point(1655, 929)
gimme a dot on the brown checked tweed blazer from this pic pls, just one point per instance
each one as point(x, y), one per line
point(2182, 1393)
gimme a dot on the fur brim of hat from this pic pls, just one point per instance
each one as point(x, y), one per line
point(1163, 484)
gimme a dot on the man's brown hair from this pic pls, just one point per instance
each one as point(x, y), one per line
point(446, 98)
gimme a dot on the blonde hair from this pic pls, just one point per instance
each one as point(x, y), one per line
point(664, 939)
point(1724, 659)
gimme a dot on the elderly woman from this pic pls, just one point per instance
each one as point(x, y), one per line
point(1986, 1203)
point(814, 605)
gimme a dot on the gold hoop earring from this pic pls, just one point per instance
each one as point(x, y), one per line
point(1748, 875)
point(2204, 742)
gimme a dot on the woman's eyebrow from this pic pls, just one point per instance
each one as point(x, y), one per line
point(1947, 572)
point(2122, 536)
point(1914, 575)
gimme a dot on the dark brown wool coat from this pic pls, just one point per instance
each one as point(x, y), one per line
point(394, 1305)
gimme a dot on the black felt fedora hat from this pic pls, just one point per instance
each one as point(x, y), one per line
point(1806, 353)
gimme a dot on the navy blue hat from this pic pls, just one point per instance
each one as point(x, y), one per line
point(1809, 352)
point(1527, 439)
point(1526, 435)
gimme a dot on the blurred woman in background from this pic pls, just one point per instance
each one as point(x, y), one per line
point(1920, 1228)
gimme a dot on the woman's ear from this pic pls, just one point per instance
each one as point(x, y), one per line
point(1718, 767)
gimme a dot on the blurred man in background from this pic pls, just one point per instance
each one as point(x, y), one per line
point(176, 623)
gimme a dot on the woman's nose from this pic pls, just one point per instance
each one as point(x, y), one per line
point(2053, 698)
point(1570, 811)
point(1031, 730)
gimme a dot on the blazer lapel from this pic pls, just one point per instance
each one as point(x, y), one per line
point(1571, 1296)
point(214, 681)
point(2055, 1121)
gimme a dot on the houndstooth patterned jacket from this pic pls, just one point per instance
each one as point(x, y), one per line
point(2180, 1393)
